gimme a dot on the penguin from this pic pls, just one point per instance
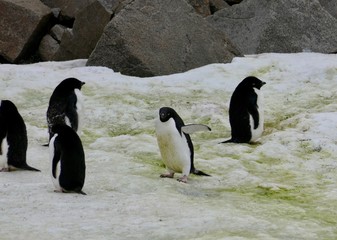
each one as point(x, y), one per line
point(13, 138)
point(175, 144)
point(66, 105)
point(246, 113)
point(67, 160)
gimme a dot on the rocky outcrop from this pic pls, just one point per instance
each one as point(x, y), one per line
point(158, 37)
point(81, 40)
point(207, 7)
point(232, 2)
point(155, 37)
point(68, 8)
point(50, 43)
point(259, 26)
point(330, 6)
point(23, 24)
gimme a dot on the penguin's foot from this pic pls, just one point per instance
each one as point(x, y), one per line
point(167, 175)
point(5, 169)
point(182, 179)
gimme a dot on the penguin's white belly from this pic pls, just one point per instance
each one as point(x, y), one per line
point(257, 133)
point(79, 109)
point(173, 147)
point(55, 181)
point(3, 156)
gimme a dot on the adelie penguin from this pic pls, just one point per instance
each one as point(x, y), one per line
point(175, 144)
point(67, 160)
point(66, 105)
point(246, 113)
point(13, 138)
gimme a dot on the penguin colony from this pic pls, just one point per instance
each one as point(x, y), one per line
point(67, 157)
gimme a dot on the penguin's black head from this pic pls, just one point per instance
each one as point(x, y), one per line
point(8, 107)
point(165, 113)
point(253, 82)
point(60, 128)
point(72, 83)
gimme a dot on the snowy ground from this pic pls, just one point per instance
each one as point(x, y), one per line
point(284, 187)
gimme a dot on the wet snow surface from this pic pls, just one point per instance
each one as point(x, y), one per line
point(284, 187)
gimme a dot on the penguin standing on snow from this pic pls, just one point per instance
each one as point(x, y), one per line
point(66, 105)
point(175, 144)
point(13, 138)
point(67, 160)
point(246, 114)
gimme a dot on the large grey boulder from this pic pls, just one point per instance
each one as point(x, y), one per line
point(50, 43)
point(23, 24)
point(158, 37)
point(69, 8)
point(207, 7)
point(232, 2)
point(330, 6)
point(81, 40)
point(258, 26)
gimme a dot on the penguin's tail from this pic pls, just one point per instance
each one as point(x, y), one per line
point(78, 190)
point(199, 173)
point(81, 192)
point(227, 141)
point(29, 168)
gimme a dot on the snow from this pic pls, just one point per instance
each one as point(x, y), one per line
point(284, 187)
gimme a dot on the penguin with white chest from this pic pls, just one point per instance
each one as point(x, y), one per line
point(13, 138)
point(246, 113)
point(67, 160)
point(175, 144)
point(66, 105)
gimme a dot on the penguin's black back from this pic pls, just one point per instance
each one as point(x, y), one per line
point(243, 103)
point(69, 150)
point(16, 133)
point(3, 126)
point(62, 103)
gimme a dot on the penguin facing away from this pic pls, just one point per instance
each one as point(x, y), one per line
point(246, 111)
point(66, 105)
point(175, 144)
point(67, 160)
point(13, 138)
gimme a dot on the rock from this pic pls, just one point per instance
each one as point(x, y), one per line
point(207, 7)
point(158, 37)
point(216, 5)
point(48, 47)
point(201, 7)
point(69, 8)
point(57, 32)
point(330, 6)
point(23, 24)
point(232, 2)
point(81, 40)
point(50, 43)
point(259, 26)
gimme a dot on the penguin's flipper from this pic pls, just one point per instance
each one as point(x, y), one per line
point(192, 128)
